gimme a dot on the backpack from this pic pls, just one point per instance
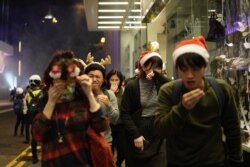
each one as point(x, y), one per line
point(18, 105)
point(32, 104)
point(176, 96)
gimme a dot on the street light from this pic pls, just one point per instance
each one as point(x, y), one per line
point(49, 16)
point(19, 68)
point(103, 40)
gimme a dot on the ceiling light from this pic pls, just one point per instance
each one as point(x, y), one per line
point(116, 14)
point(136, 10)
point(135, 27)
point(112, 10)
point(113, 3)
point(108, 27)
point(133, 22)
point(110, 17)
point(48, 16)
point(135, 17)
point(54, 20)
point(109, 22)
point(103, 40)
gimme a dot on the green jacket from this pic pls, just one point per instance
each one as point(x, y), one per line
point(194, 138)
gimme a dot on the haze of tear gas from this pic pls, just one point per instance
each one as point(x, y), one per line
point(41, 39)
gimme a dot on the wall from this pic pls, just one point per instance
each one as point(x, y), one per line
point(126, 53)
point(113, 45)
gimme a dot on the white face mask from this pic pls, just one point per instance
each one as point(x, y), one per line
point(246, 44)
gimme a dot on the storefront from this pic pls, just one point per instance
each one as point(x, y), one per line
point(224, 24)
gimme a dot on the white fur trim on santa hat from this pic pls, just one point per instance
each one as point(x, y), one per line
point(191, 48)
point(137, 71)
point(147, 56)
point(164, 67)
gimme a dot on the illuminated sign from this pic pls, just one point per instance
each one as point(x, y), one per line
point(5, 50)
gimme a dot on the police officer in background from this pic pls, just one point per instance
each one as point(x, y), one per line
point(33, 94)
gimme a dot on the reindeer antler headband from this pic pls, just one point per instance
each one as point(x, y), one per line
point(103, 62)
point(92, 65)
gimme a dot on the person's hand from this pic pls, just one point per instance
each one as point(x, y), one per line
point(86, 83)
point(56, 90)
point(150, 74)
point(114, 87)
point(190, 99)
point(104, 99)
point(138, 142)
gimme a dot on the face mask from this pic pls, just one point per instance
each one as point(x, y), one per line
point(68, 92)
point(246, 44)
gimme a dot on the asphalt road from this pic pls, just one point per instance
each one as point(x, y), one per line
point(13, 152)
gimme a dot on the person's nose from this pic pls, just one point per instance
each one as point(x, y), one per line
point(190, 73)
point(93, 79)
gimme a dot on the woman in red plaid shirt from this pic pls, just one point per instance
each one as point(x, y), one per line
point(68, 108)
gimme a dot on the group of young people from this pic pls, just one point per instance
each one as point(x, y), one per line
point(142, 120)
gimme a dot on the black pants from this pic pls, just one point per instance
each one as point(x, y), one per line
point(154, 153)
point(19, 121)
point(34, 148)
point(159, 160)
point(118, 142)
point(28, 120)
point(27, 123)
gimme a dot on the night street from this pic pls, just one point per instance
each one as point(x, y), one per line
point(12, 150)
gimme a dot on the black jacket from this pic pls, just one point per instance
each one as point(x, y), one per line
point(131, 103)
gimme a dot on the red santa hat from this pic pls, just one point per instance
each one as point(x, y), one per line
point(147, 55)
point(195, 45)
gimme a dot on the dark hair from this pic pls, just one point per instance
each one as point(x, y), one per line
point(95, 66)
point(190, 59)
point(119, 75)
point(62, 58)
point(155, 62)
point(20, 96)
point(136, 64)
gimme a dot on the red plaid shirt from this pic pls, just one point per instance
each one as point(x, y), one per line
point(71, 120)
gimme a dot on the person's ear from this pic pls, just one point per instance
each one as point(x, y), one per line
point(206, 67)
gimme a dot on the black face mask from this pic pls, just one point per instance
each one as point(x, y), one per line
point(34, 83)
